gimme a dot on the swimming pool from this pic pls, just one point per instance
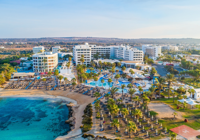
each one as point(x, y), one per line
point(89, 71)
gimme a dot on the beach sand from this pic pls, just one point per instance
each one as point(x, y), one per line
point(80, 101)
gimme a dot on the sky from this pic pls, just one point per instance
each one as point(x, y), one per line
point(100, 18)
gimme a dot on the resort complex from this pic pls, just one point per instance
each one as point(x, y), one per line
point(111, 92)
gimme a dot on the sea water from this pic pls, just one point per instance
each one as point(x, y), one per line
point(33, 118)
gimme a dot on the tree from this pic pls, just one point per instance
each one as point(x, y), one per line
point(173, 135)
point(102, 81)
point(138, 113)
point(113, 90)
point(117, 76)
point(82, 60)
point(97, 95)
point(60, 77)
point(181, 90)
point(74, 84)
point(140, 89)
point(115, 123)
point(109, 81)
point(107, 96)
point(153, 71)
point(17, 67)
point(125, 112)
point(56, 73)
point(95, 79)
point(131, 127)
point(152, 90)
point(119, 64)
point(184, 105)
point(174, 114)
point(122, 87)
point(49, 74)
point(65, 79)
point(131, 91)
point(160, 84)
point(130, 86)
point(191, 91)
point(170, 78)
point(68, 64)
point(123, 68)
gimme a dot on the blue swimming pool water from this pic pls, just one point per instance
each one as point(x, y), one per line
point(32, 118)
point(88, 71)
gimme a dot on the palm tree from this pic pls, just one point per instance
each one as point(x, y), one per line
point(131, 127)
point(131, 91)
point(60, 77)
point(173, 135)
point(122, 87)
point(130, 85)
point(73, 80)
point(95, 79)
point(82, 60)
point(49, 74)
point(112, 71)
point(140, 89)
point(117, 76)
point(17, 67)
point(68, 64)
point(137, 99)
point(152, 90)
point(125, 112)
point(109, 81)
point(65, 79)
point(74, 84)
point(119, 64)
point(102, 81)
point(44, 80)
point(184, 105)
point(160, 84)
point(181, 90)
point(107, 96)
point(145, 99)
point(113, 90)
point(115, 123)
point(138, 113)
point(97, 95)
point(191, 91)
point(175, 114)
point(170, 78)
point(123, 68)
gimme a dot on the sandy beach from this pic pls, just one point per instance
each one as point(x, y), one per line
point(80, 101)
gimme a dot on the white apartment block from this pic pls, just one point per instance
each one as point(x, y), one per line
point(120, 52)
point(38, 49)
point(128, 53)
point(56, 49)
point(45, 62)
point(152, 51)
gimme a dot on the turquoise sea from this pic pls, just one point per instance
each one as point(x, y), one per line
point(33, 118)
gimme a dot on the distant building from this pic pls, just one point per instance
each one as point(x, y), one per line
point(152, 51)
point(45, 62)
point(56, 49)
point(10, 43)
point(2, 47)
point(170, 47)
point(38, 49)
point(62, 54)
point(24, 58)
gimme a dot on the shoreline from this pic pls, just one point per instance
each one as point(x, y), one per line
point(77, 105)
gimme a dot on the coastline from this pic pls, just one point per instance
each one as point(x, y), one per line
point(77, 106)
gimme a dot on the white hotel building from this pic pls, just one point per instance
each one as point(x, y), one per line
point(119, 52)
point(152, 51)
point(38, 49)
point(45, 62)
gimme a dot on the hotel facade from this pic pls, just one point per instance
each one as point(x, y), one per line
point(45, 62)
point(109, 52)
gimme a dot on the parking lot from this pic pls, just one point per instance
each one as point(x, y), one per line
point(160, 69)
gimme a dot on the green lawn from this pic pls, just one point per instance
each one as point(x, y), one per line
point(193, 116)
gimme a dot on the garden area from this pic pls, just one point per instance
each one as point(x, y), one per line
point(191, 117)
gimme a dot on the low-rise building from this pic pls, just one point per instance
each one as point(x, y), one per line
point(152, 51)
point(56, 49)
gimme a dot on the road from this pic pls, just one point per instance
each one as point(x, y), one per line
point(160, 69)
